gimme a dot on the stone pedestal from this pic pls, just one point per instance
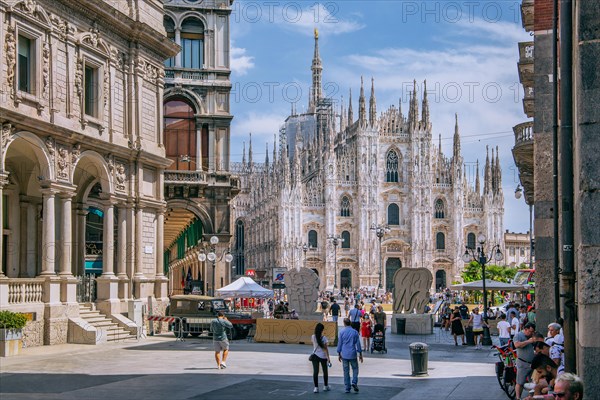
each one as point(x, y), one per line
point(143, 287)
point(415, 324)
point(68, 289)
point(124, 288)
point(161, 289)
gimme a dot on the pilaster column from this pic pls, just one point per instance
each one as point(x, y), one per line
point(121, 241)
point(3, 181)
point(80, 252)
point(67, 234)
point(212, 167)
point(139, 224)
point(198, 144)
point(48, 236)
point(160, 255)
point(32, 240)
point(23, 203)
point(108, 241)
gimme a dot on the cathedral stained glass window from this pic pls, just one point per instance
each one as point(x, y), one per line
point(392, 166)
point(439, 208)
point(393, 214)
point(345, 207)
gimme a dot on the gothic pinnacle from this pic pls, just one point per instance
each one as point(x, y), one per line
point(372, 104)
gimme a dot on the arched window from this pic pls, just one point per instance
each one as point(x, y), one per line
point(471, 241)
point(170, 28)
point(346, 240)
point(192, 43)
point(345, 207)
point(391, 166)
point(439, 208)
point(440, 241)
point(240, 267)
point(312, 239)
point(180, 134)
point(393, 212)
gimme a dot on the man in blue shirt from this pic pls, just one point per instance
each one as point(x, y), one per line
point(348, 348)
point(354, 315)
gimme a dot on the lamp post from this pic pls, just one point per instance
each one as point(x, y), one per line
point(380, 231)
point(212, 257)
point(518, 193)
point(335, 241)
point(304, 249)
point(479, 256)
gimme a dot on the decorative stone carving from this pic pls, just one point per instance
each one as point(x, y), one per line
point(60, 26)
point(120, 176)
point(106, 84)
point(110, 161)
point(302, 290)
point(10, 48)
point(62, 163)
point(411, 291)
point(50, 143)
point(45, 70)
point(79, 77)
point(75, 153)
point(7, 131)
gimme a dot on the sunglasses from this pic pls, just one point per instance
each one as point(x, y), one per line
point(559, 395)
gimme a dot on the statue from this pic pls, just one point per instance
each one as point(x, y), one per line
point(303, 290)
point(411, 291)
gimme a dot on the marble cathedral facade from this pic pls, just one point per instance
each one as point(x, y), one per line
point(82, 160)
point(340, 178)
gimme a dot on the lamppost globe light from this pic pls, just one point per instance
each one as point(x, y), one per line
point(466, 257)
point(211, 256)
point(518, 191)
point(498, 256)
point(202, 256)
point(228, 257)
point(481, 238)
point(214, 240)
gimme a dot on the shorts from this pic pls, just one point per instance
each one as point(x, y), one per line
point(221, 345)
point(523, 371)
point(478, 331)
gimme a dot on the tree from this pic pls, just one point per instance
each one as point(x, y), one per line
point(472, 272)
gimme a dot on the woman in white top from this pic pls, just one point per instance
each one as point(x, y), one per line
point(321, 352)
point(478, 323)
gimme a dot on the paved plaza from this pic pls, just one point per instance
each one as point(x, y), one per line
point(160, 367)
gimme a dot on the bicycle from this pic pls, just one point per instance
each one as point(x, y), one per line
point(506, 369)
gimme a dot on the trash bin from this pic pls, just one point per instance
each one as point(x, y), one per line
point(419, 353)
point(469, 336)
point(401, 326)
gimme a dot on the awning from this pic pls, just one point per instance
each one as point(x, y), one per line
point(245, 287)
point(490, 285)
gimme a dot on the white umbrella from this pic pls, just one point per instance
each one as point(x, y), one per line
point(490, 285)
point(245, 287)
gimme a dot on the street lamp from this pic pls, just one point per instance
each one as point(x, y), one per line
point(305, 248)
point(212, 257)
point(380, 231)
point(518, 193)
point(479, 256)
point(335, 241)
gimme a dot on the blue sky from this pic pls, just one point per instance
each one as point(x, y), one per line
point(466, 50)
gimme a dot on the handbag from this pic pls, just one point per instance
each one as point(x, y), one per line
point(312, 357)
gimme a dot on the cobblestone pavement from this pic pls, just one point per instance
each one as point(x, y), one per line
point(160, 367)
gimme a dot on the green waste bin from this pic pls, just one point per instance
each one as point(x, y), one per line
point(419, 353)
point(469, 336)
point(401, 326)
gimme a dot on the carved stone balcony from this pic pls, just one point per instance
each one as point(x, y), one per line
point(528, 101)
point(527, 7)
point(523, 156)
point(193, 184)
point(525, 64)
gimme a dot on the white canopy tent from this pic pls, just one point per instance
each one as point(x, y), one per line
point(490, 285)
point(245, 287)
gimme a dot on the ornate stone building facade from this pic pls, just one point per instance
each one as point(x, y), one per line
point(81, 159)
point(340, 178)
point(197, 118)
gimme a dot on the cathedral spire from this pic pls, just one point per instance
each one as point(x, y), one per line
point(267, 155)
point(477, 185)
point(487, 174)
point(244, 155)
point(498, 172)
point(343, 117)
point(440, 145)
point(350, 112)
point(456, 141)
point(362, 105)
point(425, 104)
point(316, 69)
point(413, 110)
point(372, 105)
point(493, 172)
point(400, 110)
point(274, 151)
point(250, 151)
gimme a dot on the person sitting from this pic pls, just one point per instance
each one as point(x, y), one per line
point(294, 315)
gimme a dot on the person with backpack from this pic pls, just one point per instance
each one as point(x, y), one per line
point(334, 310)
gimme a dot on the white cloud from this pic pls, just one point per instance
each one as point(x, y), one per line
point(240, 62)
point(323, 17)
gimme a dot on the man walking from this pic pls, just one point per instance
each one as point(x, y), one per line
point(348, 348)
point(354, 317)
point(335, 310)
point(218, 327)
point(524, 343)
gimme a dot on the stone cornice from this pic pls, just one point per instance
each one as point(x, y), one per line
point(125, 26)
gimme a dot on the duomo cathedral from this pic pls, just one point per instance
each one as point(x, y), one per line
point(357, 196)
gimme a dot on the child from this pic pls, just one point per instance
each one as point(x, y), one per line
point(365, 331)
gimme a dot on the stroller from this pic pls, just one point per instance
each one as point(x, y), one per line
point(378, 339)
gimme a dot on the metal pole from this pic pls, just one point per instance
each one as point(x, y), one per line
point(487, 340)
point(555, 160)
point(213, 279)
point(380, 259)
point(566, 182)
point(334, 264)
point(530, 236)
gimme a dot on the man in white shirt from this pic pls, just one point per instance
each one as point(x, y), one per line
point(514, 324)
point(503, 330)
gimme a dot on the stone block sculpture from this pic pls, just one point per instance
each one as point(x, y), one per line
point(302, 288)
point(411, 291)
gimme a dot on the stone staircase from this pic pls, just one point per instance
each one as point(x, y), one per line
point(114, 332)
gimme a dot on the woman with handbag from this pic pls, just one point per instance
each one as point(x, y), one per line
point(320, 355)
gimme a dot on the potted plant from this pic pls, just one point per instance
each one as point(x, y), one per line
point(11, 325)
